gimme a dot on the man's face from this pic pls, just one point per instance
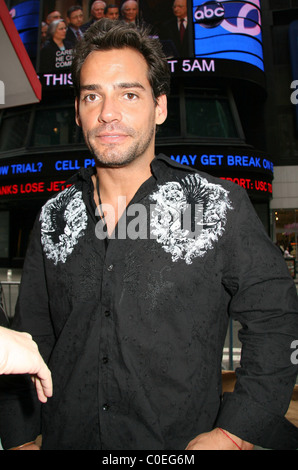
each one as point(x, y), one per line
point(180, 8)
point(55, 15)
point(116, 108)
point(76, 18)
point(113, 13)
point(98, 10)
point(44, 30)
point(130, 11)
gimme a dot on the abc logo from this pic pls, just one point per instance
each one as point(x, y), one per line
point(210, 14)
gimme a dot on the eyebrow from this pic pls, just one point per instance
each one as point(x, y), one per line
point(121, 85)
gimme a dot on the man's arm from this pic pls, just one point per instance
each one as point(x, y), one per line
point(19, 406)
point(264, 301)
point(218, 439)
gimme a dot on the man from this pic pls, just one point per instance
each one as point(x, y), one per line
point(54, 15)
point(19, 355)
point(112, 12)
point(130, 11)
point(176, 29)
point(130, 279)
point(97, 12)
point(75, 19)
point(44, 29)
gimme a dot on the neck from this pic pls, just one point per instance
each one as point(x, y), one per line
point(117, 187)
point(59, 42)
point(123, 181)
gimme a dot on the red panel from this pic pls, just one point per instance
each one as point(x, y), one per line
point(19, 49)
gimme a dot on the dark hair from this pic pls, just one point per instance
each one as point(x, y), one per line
point(107, 8)
point(106, 34)
point(72, 9)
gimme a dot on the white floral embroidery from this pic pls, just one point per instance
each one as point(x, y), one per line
point(173, 201)
point(63, 221)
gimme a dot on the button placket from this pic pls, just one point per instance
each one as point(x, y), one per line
point(106, 332)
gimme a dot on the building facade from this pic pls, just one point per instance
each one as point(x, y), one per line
point(220, 116)
point(280, 20)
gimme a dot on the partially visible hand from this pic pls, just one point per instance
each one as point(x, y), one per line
point(31, 446)
point(19, 355)
point(217, 440)
point(34, 445)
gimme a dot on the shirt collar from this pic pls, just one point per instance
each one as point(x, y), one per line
point(162, 168)
point(75, 31)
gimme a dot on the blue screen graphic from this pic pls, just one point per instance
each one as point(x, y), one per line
point(228, 29)
point(25, 16)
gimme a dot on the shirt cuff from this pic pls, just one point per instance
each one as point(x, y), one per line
point(251, 422)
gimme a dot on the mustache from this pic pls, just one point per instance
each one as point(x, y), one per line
point(111, 129)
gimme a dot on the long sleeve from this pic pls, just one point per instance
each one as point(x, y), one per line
point(264, 301)
point(19, 406)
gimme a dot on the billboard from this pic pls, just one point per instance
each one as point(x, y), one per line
point(44, 175)
point(229, 29)
point(293, 43)
point(25, 16)
point(219, 38)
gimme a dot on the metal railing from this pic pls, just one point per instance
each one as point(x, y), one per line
point(232, 349)
point(9, 291)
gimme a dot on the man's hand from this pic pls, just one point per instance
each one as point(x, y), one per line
point(28, 446)
point(218, 440)
point(19, 355)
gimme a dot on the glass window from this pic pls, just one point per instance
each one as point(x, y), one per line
point(285, 235)
point(285, 230)
point(55, 126)
point(13, 130)
point(4, 234)
point(192, 113)
point(209, 116)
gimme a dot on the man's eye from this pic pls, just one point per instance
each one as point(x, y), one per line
point(131, 96)
point(91, 98)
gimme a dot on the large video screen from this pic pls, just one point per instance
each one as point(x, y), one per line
point(229, 29)
point(212, 33)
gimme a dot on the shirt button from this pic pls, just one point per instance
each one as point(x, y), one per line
point(105, 407)
point(105, 360)
point(107, 313)
point(110, 267)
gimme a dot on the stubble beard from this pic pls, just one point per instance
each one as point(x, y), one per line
point(116, 156)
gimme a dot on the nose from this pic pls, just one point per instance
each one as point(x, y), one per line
point(110, 110)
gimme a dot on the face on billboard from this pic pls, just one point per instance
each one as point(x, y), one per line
point(180, 8)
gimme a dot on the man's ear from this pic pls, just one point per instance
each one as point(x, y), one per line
point(161, 110)
point(77, 116)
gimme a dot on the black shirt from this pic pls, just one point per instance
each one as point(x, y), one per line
point(53, 59)
point(133, 328)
